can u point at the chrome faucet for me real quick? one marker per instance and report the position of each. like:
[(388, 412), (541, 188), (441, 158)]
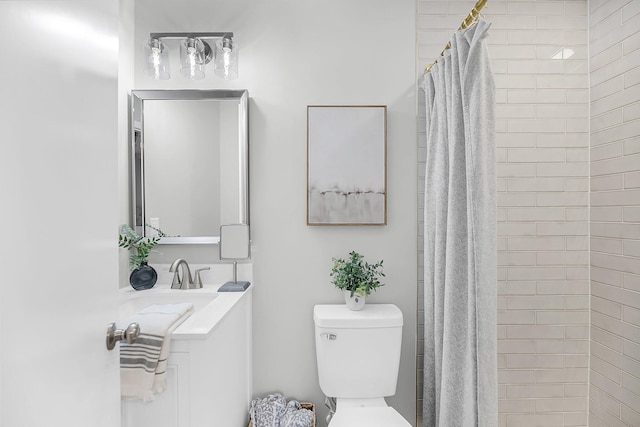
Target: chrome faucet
[(186, 280)]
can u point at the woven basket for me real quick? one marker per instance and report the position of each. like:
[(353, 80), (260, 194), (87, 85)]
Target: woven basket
[(309, 406)]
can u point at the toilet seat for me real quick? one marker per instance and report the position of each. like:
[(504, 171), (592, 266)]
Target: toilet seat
[(371, 416)]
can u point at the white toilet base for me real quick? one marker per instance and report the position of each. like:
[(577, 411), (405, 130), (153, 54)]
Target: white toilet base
[(366, 413), (381, 416)]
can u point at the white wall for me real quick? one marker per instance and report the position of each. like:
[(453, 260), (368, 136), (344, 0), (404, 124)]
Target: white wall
[(294, 54), (614, 44), (542, 163)]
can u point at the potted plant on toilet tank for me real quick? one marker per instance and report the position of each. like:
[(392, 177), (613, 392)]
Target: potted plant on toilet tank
[(356, 278)]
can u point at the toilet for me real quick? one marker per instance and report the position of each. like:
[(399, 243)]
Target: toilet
[(358, 356)]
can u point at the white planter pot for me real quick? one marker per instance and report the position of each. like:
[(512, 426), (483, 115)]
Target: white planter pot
[(355, 302)]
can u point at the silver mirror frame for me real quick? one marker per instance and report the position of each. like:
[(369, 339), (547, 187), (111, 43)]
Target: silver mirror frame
[(138, 97)]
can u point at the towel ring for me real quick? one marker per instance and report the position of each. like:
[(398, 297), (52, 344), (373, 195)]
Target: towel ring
[(114, 335)]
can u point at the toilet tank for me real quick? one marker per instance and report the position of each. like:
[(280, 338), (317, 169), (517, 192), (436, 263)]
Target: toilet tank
[(358, 352)]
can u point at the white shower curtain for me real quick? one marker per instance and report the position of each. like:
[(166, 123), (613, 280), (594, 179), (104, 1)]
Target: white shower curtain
[(460, 372)]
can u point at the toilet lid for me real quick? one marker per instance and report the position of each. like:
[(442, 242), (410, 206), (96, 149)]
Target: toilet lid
[(371, 416)]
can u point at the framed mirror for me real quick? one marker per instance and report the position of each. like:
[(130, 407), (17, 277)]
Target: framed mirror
[(189, 163)]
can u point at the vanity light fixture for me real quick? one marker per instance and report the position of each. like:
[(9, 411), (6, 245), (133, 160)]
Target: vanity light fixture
[(157, 56), (226, 62), (195, 53), (193, 58)]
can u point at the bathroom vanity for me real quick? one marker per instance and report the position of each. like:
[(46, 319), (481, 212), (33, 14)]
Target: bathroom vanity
[(209, 365)]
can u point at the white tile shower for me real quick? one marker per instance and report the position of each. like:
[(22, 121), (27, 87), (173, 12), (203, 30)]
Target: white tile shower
[(614, 42), (542, 142), (569, 204)]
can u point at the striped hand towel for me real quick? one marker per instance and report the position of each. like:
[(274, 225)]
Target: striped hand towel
[(143, 364)]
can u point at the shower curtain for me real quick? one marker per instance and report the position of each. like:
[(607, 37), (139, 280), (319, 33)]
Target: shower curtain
[(460, 372)]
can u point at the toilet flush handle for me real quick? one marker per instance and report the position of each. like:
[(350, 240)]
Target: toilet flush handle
[(328, 336)]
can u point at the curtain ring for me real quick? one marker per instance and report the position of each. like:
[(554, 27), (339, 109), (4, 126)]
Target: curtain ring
[(477, 13)]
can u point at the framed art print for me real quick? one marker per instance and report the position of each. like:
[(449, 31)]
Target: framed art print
[(346, 165)]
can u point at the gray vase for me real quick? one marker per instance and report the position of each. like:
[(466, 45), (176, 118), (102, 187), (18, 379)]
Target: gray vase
[(143, 277)]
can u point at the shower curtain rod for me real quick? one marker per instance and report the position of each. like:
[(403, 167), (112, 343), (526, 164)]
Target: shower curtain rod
[(471, 18)]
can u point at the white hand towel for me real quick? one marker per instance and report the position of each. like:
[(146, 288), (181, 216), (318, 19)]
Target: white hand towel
[(143, 364)]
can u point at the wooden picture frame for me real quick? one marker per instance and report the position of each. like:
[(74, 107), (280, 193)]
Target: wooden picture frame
[(346, 165)]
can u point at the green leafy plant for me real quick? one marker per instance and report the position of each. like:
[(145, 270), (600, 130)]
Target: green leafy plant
[(141, 246), (356, 275)]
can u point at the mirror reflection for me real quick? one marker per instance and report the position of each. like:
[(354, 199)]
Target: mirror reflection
[(190, 162)]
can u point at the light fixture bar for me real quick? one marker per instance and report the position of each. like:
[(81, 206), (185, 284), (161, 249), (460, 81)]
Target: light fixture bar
[(190, 35), (195, 53)]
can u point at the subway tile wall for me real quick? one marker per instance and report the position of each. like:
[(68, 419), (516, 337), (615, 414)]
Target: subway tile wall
[(614, 43), (542, 124)]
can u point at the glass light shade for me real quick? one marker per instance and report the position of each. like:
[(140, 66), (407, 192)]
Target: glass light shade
[(192, 58), (226, 62), (157, 59)]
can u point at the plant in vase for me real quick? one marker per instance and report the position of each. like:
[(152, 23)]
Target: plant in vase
[(356, 278), (142, 275)]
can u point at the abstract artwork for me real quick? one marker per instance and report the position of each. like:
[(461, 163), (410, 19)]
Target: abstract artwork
[(346, 165)]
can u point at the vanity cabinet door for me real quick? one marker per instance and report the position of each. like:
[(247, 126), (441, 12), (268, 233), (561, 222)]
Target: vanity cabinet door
[(169, 408)]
